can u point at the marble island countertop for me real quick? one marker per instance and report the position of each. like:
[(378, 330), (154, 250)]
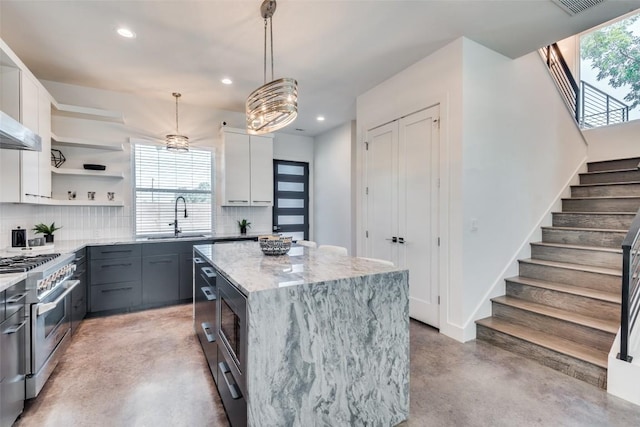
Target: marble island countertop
[(327, 336), (8, 280), (244, 264)]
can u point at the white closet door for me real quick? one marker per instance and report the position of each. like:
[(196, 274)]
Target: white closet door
[(382, 183), (418, 145)]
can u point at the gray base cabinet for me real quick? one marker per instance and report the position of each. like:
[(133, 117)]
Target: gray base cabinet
[(160, 275), (12, 354), (115, 277), (79, 301)]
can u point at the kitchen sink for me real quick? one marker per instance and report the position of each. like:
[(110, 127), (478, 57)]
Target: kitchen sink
[(197, 236)]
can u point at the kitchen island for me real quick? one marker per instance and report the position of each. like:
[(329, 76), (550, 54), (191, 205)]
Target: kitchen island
[(309, 338)]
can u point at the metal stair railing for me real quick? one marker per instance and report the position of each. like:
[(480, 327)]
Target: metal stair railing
[(598, 108), (561, 74), (630, 289)]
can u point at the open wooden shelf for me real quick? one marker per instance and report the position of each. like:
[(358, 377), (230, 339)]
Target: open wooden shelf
[(83, 143), (77, 202), (85, 172)]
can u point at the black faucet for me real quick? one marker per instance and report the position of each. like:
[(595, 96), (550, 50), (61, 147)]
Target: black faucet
[(176, 230)]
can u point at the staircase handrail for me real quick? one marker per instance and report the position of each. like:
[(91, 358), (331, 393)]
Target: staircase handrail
[(598, 108), (630, 287), (563, 77)]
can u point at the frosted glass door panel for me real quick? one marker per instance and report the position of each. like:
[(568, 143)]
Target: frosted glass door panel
[(290, 186), (291, 203)]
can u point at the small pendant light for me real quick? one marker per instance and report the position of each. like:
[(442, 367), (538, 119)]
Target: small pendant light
[(177, 142), (273, 105)]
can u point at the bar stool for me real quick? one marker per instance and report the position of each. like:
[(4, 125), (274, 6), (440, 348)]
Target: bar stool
[(338, 250), (381, 261), (307, 243)]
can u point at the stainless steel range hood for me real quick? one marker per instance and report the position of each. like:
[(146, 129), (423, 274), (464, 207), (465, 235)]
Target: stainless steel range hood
[(15, 136)]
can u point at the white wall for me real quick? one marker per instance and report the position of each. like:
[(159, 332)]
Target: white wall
[(437, 79), (614, 141), (333, 188), (521, 148), (509, 148)]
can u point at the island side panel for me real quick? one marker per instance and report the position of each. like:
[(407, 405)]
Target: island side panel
[(332, 353)]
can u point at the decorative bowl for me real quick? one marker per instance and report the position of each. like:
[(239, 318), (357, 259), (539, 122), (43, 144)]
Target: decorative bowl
[(274, 245)]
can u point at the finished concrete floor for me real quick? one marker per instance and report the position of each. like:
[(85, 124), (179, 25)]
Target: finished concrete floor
[(146, 369)]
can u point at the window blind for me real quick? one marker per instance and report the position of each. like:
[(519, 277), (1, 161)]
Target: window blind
[(160, 177)]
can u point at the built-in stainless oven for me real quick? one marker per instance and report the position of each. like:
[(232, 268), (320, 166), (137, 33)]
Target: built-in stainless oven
[(231, 330), (50, 322), (49, 289)]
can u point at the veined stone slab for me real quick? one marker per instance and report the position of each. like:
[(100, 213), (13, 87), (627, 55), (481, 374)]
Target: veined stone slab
[(328, 336)]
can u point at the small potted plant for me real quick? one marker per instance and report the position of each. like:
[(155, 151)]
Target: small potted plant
[(244, 224), (47, 230)]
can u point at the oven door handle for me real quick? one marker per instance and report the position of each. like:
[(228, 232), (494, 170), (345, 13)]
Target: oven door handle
[(44, 307)]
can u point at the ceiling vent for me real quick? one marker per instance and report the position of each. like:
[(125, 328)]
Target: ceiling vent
[(573, 7)]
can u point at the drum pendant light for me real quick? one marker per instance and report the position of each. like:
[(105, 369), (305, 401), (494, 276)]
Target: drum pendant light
[(275, 104), (177, 142)]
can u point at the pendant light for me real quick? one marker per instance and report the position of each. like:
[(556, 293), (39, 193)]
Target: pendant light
[(275, 104), (177, 142)]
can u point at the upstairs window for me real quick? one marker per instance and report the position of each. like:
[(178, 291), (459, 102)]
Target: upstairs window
[(160, 177)]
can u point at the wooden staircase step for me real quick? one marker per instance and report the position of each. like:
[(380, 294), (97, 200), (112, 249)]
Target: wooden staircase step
[(586, 330), (618, 204), (616, 175), (573, 359), (577, 299), (605, 165), (631, 188), (608, 326), (609, 220), (599, 278), (600, 237), (576, 254)]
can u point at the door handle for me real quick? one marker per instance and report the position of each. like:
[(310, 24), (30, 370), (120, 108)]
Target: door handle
[(48, 306), (208, 292), (233, 389), (15, 328), (206, 328)]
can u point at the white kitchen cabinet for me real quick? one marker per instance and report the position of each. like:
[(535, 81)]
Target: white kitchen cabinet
[(248, 169), (27, 172), (402, 204), (44, 156)]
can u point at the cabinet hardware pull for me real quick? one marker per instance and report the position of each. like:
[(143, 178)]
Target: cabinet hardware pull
[(262, 201), (116, 265), (209, 272), (394, 239), (206, 328), (166, 261), (401, 240), (15, 328), (116, 252), (233, 389), (238, 201), (104, 291), (208, 292), (16, 298)]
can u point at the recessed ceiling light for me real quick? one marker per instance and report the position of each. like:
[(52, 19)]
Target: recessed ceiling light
[(226, 81), (320, 118), (126, 33)]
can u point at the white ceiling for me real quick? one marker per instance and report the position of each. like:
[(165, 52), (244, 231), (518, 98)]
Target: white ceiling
[(335, 49)]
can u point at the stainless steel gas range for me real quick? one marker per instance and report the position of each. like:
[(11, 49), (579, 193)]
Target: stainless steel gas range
[(48, 308)]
